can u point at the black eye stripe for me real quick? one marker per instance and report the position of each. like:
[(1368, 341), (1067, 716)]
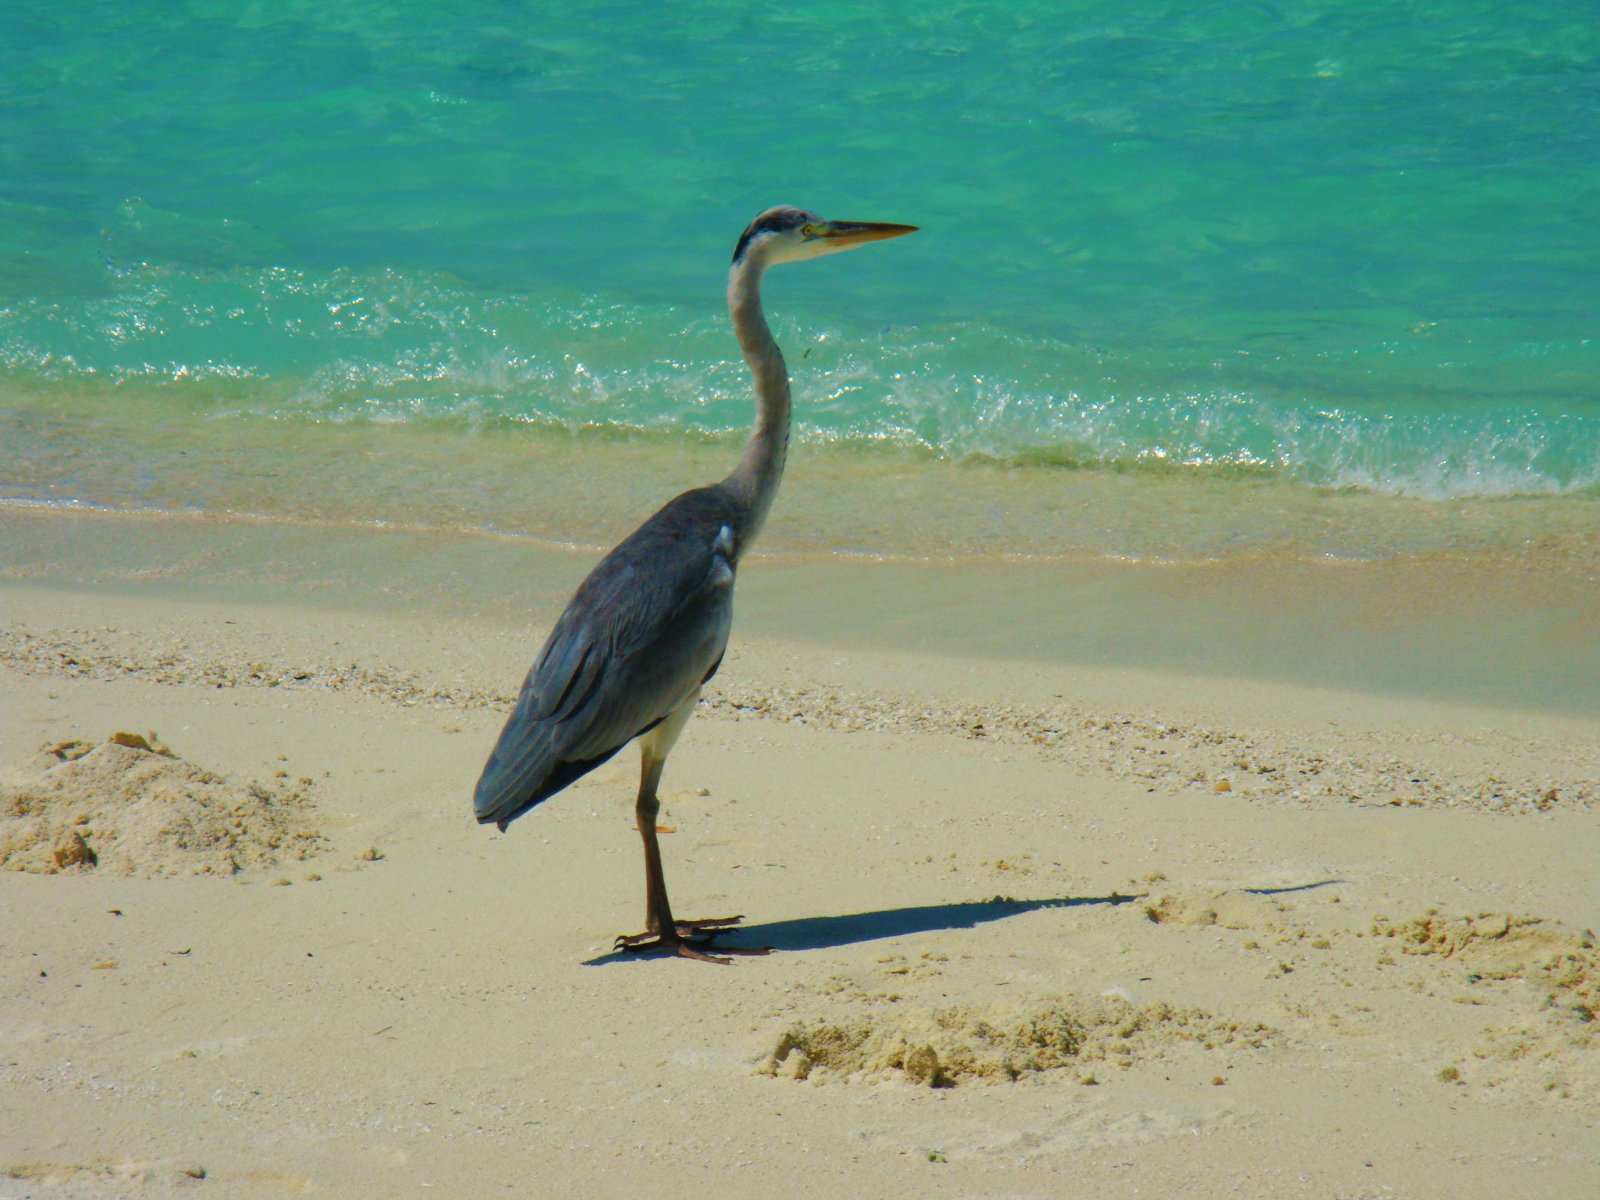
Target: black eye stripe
[(769, 222)]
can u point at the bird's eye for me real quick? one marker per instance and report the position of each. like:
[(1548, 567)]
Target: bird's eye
[(809, 231)]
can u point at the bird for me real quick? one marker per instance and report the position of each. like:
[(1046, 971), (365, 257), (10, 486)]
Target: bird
[(649, 625)]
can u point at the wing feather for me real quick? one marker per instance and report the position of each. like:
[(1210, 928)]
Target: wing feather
[(647, 626)]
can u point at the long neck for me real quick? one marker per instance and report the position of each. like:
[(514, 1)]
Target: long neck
[(755, 479)]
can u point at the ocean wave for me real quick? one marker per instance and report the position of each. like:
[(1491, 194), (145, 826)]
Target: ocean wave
[(406, 348)]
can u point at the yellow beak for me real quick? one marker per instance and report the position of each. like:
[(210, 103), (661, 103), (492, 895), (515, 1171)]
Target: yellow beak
[(857, 233)]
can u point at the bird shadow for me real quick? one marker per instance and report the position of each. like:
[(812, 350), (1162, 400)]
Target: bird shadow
[(1290, 889), (846, 929)]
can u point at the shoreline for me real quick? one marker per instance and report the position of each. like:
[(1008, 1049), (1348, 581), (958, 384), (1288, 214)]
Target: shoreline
[(587, 487), (1497, 631)]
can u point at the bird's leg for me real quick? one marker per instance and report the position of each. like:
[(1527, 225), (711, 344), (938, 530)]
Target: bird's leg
[(657, 908), (661, 930)]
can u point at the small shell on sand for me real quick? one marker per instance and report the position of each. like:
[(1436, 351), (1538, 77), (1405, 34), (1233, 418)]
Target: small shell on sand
[(141, 741)]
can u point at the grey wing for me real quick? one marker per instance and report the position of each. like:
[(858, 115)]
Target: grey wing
[(647, 627)]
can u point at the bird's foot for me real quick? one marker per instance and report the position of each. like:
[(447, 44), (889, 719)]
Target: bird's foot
[(687, 937)]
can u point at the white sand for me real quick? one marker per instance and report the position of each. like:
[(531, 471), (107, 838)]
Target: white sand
[(1155, 935)]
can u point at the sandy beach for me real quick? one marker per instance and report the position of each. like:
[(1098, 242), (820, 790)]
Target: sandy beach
[(1041, 927), (1158, 749)]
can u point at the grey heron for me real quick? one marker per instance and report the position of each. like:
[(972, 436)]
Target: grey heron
[(649, 626)]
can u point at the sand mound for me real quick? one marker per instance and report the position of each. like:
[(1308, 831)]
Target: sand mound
[(948, 1046), (130, 806), (1562, 963), (1496, 945), (1231, 909), (1554, 1049)]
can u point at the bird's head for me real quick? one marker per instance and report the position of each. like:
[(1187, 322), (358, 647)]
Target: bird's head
[(791, 234)]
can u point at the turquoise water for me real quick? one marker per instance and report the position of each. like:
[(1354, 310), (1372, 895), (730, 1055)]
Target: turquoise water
[(1343, 245)]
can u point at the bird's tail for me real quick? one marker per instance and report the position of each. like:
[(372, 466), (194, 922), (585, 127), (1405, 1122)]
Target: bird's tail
[(507, 788), (512, 782)]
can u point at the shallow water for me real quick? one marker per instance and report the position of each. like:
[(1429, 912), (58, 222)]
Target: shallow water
[(1308, 256), (590, 490)]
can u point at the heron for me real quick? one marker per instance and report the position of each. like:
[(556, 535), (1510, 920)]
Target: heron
[(649, 625)]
